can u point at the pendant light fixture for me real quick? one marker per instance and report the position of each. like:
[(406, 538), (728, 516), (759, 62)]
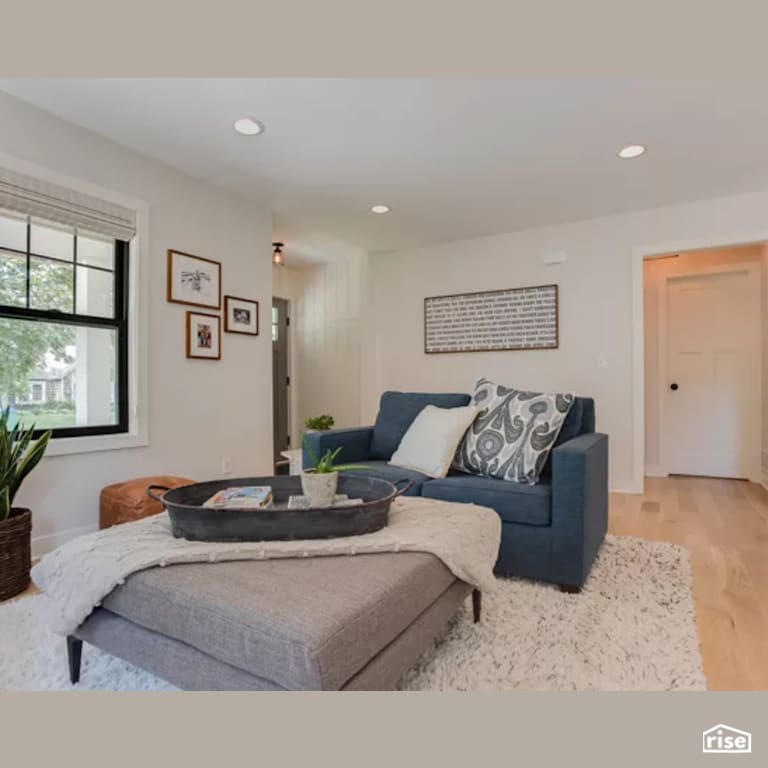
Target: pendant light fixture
[(277, 254)]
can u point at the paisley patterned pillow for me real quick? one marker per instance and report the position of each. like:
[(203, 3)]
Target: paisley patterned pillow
[(513, 433)]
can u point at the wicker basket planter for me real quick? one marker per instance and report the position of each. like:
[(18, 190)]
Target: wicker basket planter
[(15, 552)]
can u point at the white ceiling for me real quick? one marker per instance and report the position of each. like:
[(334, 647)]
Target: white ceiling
[(454, 158)]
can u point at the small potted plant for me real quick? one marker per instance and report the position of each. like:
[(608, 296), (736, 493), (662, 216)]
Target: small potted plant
[(319, 423), (319, 483), (18, 457)]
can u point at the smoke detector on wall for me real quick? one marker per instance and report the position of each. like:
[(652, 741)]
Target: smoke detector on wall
[(554, 257)]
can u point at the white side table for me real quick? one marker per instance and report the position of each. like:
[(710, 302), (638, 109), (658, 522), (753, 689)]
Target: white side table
[(294, 457)]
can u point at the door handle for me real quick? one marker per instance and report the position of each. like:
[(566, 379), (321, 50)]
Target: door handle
[(674, 386)]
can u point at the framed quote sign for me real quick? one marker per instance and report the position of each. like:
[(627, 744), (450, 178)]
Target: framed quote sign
[(489, 321)]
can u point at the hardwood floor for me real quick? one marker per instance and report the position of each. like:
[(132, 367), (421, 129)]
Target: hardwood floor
[(724, 526)]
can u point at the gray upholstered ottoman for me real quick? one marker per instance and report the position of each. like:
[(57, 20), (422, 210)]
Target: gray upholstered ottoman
[(324, 623)]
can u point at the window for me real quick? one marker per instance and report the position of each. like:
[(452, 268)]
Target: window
[(63, 326), (275, 324)]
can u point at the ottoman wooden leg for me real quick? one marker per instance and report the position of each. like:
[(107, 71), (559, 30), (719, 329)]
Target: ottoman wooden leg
[(74, 655), (477, 600)]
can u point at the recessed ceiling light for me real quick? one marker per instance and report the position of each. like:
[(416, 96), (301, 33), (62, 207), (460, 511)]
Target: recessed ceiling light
[(248, 126), (380, 209), (633, 150)]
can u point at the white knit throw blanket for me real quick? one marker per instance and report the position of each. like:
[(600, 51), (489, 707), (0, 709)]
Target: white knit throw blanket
[(80, 574)]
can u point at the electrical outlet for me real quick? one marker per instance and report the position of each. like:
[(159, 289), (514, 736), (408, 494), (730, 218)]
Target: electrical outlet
[(226, 465), (602, 361)]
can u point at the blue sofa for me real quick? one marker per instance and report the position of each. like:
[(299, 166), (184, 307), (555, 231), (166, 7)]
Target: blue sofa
[(550, 531)]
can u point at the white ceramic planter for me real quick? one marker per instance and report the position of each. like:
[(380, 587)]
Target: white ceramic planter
[(319, 488)]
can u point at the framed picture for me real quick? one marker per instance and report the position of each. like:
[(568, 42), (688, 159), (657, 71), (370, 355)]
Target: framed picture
[(194, 280), (492, 321), (241, 316), (203, 336)]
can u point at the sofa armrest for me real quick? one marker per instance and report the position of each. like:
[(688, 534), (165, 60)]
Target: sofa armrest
[(580, 482), (579, 505), (354, 444)]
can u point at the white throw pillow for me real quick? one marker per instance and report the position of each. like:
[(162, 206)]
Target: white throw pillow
[(431, 441)]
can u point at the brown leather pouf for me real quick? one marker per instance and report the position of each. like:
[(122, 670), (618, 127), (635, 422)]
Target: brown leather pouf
[(123, 502)]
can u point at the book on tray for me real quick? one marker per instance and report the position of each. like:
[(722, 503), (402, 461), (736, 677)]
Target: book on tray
[(243, 497)]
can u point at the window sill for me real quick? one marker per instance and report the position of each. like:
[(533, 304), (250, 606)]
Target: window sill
[(65, 446)]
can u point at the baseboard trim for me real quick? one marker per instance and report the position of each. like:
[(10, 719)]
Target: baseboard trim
[(654, 470), (42, 545), (764, 480), (626, 490)]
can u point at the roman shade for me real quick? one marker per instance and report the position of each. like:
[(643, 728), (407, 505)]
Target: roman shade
[(36, 197)]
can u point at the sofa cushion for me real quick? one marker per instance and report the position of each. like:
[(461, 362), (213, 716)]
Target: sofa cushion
[(385, 471), (304, 624), (397, 411), (513, 433), (513, 502), (572, 425), (587, 416), (430, 443)]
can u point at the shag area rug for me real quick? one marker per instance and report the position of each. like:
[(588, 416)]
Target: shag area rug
[(632, 628)]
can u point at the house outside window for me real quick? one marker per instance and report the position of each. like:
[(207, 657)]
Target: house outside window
[(63, 317)]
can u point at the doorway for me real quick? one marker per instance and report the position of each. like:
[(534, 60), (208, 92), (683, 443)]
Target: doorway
[(703, 315), (280, 376)]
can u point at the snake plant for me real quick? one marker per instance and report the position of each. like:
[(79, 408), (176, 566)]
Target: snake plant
[(18, 457)]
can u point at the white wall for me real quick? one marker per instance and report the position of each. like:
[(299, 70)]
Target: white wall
[(655, 272), (600, 283), (325, 338), (199, 411), (326, 334)]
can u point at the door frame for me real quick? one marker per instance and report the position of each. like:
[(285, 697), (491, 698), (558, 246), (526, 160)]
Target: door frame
[(755, 273), (638, 255), (290, 364)]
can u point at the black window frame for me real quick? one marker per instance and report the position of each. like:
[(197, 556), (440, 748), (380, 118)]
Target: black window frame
[(118, 322)]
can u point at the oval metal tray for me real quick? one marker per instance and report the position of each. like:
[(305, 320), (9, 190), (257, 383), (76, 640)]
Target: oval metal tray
[(191, 520)]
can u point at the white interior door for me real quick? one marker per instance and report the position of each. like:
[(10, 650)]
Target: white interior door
[(712, 408)]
